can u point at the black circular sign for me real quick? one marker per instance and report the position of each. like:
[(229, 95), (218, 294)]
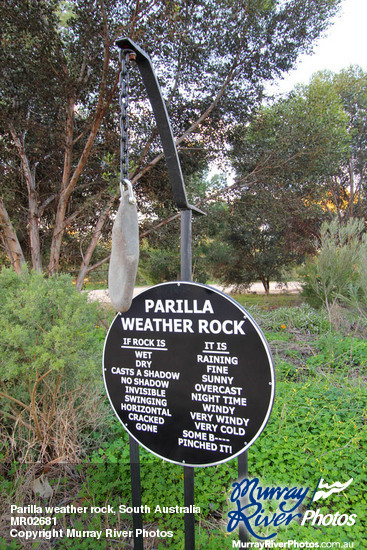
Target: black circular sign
[(189, 374)]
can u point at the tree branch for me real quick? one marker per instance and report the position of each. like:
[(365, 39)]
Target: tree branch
[(93, 243), (44, 205), (195, 124), (29, 176), (23, 405), (10, 240)]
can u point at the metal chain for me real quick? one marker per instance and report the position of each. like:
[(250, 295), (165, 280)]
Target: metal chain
[(124, 82), (124, 120)]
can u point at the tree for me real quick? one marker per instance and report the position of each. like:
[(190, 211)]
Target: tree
[(308, 152), (313, 142), (58, 110), (284, 159), (348, 186), (297, 143), (260, 237)]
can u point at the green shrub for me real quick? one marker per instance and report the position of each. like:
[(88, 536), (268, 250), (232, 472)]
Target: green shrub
[(356, 297), (339, 268), (157, 265), (303, 318), (317, 428), (50, 350), (340, 354)]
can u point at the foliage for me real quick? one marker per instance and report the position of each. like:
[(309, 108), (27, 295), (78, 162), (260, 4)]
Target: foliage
[(285, 160), (159, 265), (304, 319), (160, 247), (301, 157), (295, 142), (356, 298), (259, 238), (307, 150), (336, 275), (59, 112), (271, 301), (317, 428), (50, 347), (338, 353), (348, 186)]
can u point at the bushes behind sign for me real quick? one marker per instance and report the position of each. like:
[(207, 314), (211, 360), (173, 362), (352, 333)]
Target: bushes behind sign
[(50, 348)]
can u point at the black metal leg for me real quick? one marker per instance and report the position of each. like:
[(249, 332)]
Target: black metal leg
[(186, 239), (136, 494), (189, 500), (242, 472)]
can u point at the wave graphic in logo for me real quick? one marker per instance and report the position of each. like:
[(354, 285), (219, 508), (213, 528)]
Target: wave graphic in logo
[(324, 490)]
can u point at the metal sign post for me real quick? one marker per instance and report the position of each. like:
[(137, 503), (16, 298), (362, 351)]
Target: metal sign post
[(164, 128), (136, 494), (186, 247), (242, 469), (190, 376), (189, 472), (179, 192), (187, 370)]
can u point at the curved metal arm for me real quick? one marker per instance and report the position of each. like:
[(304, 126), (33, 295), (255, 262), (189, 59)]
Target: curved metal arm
[(163, 123)]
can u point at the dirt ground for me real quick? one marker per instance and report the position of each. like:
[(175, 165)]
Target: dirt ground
[(256, 288)]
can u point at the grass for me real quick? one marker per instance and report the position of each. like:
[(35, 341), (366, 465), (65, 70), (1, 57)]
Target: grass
[(317, 428), (269, 302)]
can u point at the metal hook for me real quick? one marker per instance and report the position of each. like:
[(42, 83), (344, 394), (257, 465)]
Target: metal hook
[(132, 199)]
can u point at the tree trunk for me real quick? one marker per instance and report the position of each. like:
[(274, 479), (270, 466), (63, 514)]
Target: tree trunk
[(70, 180), (58, 232), (65, 196), (59, 227), (30, 178), (351, 189), (34, 232), (10, 240), (92, 245), (266, 284)]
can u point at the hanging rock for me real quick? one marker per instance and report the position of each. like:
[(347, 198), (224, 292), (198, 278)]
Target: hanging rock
[(124, 254)]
